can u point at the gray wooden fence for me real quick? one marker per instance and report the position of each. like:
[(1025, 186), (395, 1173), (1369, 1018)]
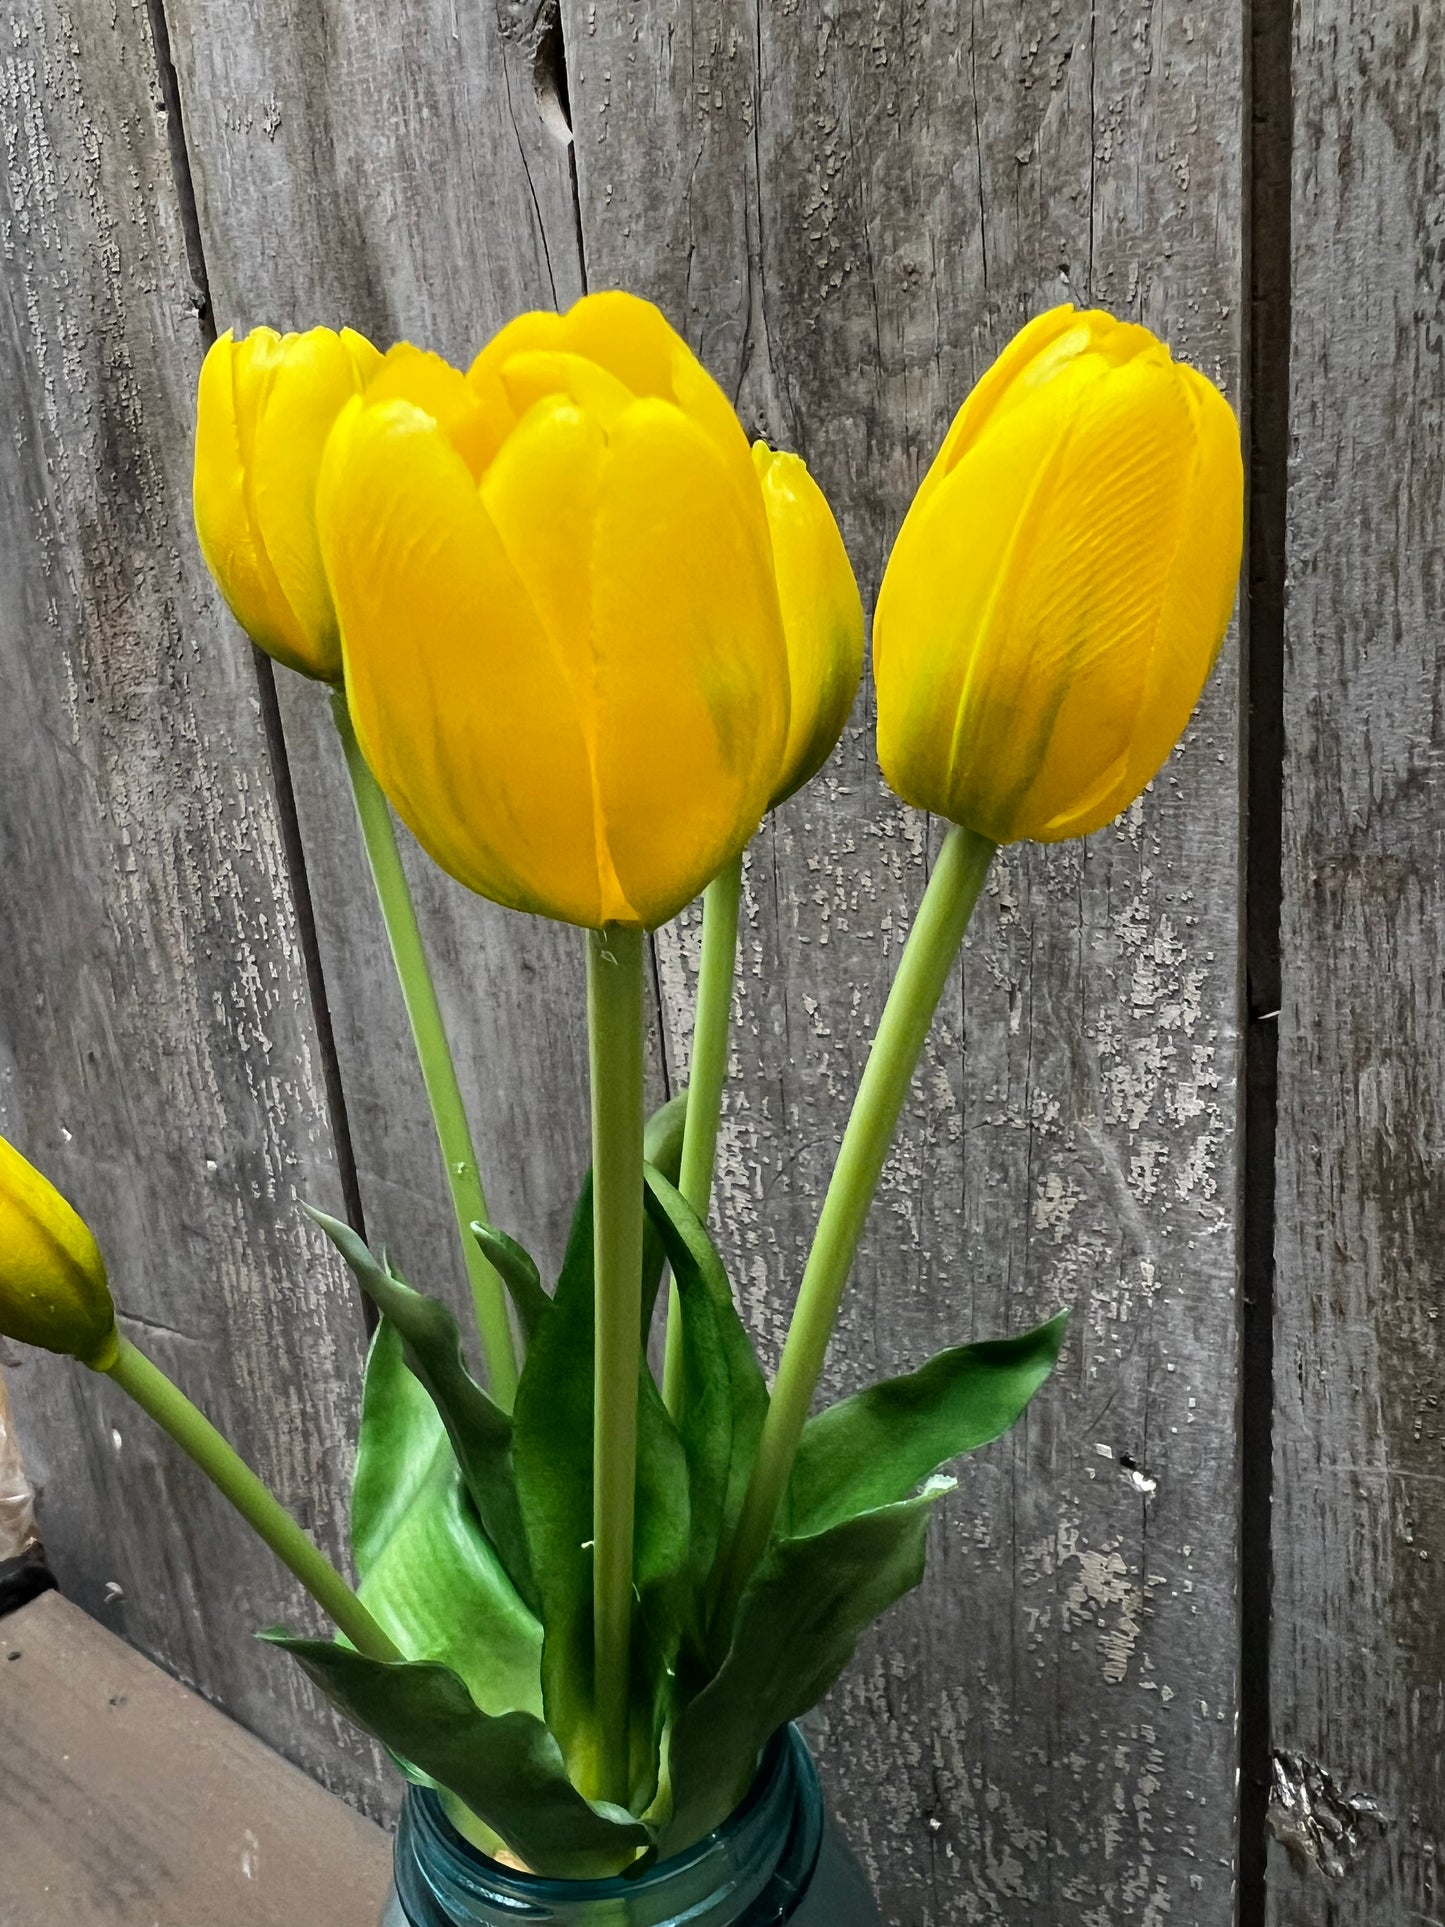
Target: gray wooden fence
[(1181, 1653)]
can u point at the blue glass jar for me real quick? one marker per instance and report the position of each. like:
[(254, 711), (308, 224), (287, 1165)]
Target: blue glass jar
[(778, 1858)]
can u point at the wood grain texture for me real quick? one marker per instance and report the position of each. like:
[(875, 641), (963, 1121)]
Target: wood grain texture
[(157, 1052), (1359, 1507), (126, 1801), (861, 210)]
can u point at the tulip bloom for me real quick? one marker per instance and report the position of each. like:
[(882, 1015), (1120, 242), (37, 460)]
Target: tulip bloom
[(53, 1290), (564, 654), (265, 408), (1060, 587), (822, 615)]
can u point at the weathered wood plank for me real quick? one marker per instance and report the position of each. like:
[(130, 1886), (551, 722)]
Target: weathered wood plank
[(1358, 1650), (157, 1051), (126, 1801), (863, 208)]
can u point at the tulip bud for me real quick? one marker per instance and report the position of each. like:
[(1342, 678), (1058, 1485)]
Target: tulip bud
[(564, 655), (1060, 587), (822, 615), (265, 408), (53, 1291)]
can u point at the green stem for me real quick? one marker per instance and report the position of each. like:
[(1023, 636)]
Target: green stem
[(434, 1055), (707, 1073), (614, 1021), (234, 1479), (923, 969)]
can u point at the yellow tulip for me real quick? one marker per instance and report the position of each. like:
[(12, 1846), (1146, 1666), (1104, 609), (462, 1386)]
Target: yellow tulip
[(53, 1291), (564, 654), (265, 408), (1060, 587), (822, 615)]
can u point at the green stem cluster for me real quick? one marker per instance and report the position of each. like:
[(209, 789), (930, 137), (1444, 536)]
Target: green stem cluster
[(222, 1464), (614, 1018), (438, 1070)]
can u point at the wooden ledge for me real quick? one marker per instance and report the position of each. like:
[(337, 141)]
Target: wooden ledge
[(127, 1801)]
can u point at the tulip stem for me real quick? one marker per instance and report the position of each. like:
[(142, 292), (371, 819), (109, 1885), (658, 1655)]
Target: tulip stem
[(614, 1022), (928, 956), (148, 1385), (706, 1075), (438, 1068)]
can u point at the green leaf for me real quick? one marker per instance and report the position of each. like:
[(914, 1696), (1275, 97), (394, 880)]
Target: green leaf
[(552, 1450), (724, 1396), (507, 1768), (797, 1625), (880, 1445), (518, 1271), (400, 1432), (437, 1587), (479, 1430), (662, 1148)]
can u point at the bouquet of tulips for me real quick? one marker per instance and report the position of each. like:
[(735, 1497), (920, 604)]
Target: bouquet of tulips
[(581, 637)]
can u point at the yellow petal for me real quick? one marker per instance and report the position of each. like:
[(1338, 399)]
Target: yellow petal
[(552, 374), (1195, 607), (634, 343), (1078, 612), (691, 668), (1038, 353), (462, 710), (932, 623), (265, 408), (822, 615), (541, 494), (308, 387), (53, 1290), (1054, 603), (426, 381), (225, 524)]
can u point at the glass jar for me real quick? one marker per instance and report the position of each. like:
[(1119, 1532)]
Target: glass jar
[(778, 1858)]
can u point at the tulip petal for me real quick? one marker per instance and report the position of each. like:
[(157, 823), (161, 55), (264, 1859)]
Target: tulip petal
[(1075, 501), (542, 496), (992, 387), (1196, 601), (931, 642), (307, 390), (426, 381), (821, 611), (1080, 607), (232, 376), (53, 1289), (637, 343), (544, 375), (691, 667), (460, 704)]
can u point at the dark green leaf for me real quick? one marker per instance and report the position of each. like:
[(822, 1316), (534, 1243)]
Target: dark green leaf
[(724, 1396), (507, 1768), (518, 1271), (400, 1432), (479, 1430), (552, 1449), (796, 1627), (880, 1445)]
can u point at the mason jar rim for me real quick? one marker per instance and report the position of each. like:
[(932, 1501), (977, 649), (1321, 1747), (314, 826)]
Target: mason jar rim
[(785, 1776)]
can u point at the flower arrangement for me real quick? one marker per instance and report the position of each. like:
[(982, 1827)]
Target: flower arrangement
[(581, 638)]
